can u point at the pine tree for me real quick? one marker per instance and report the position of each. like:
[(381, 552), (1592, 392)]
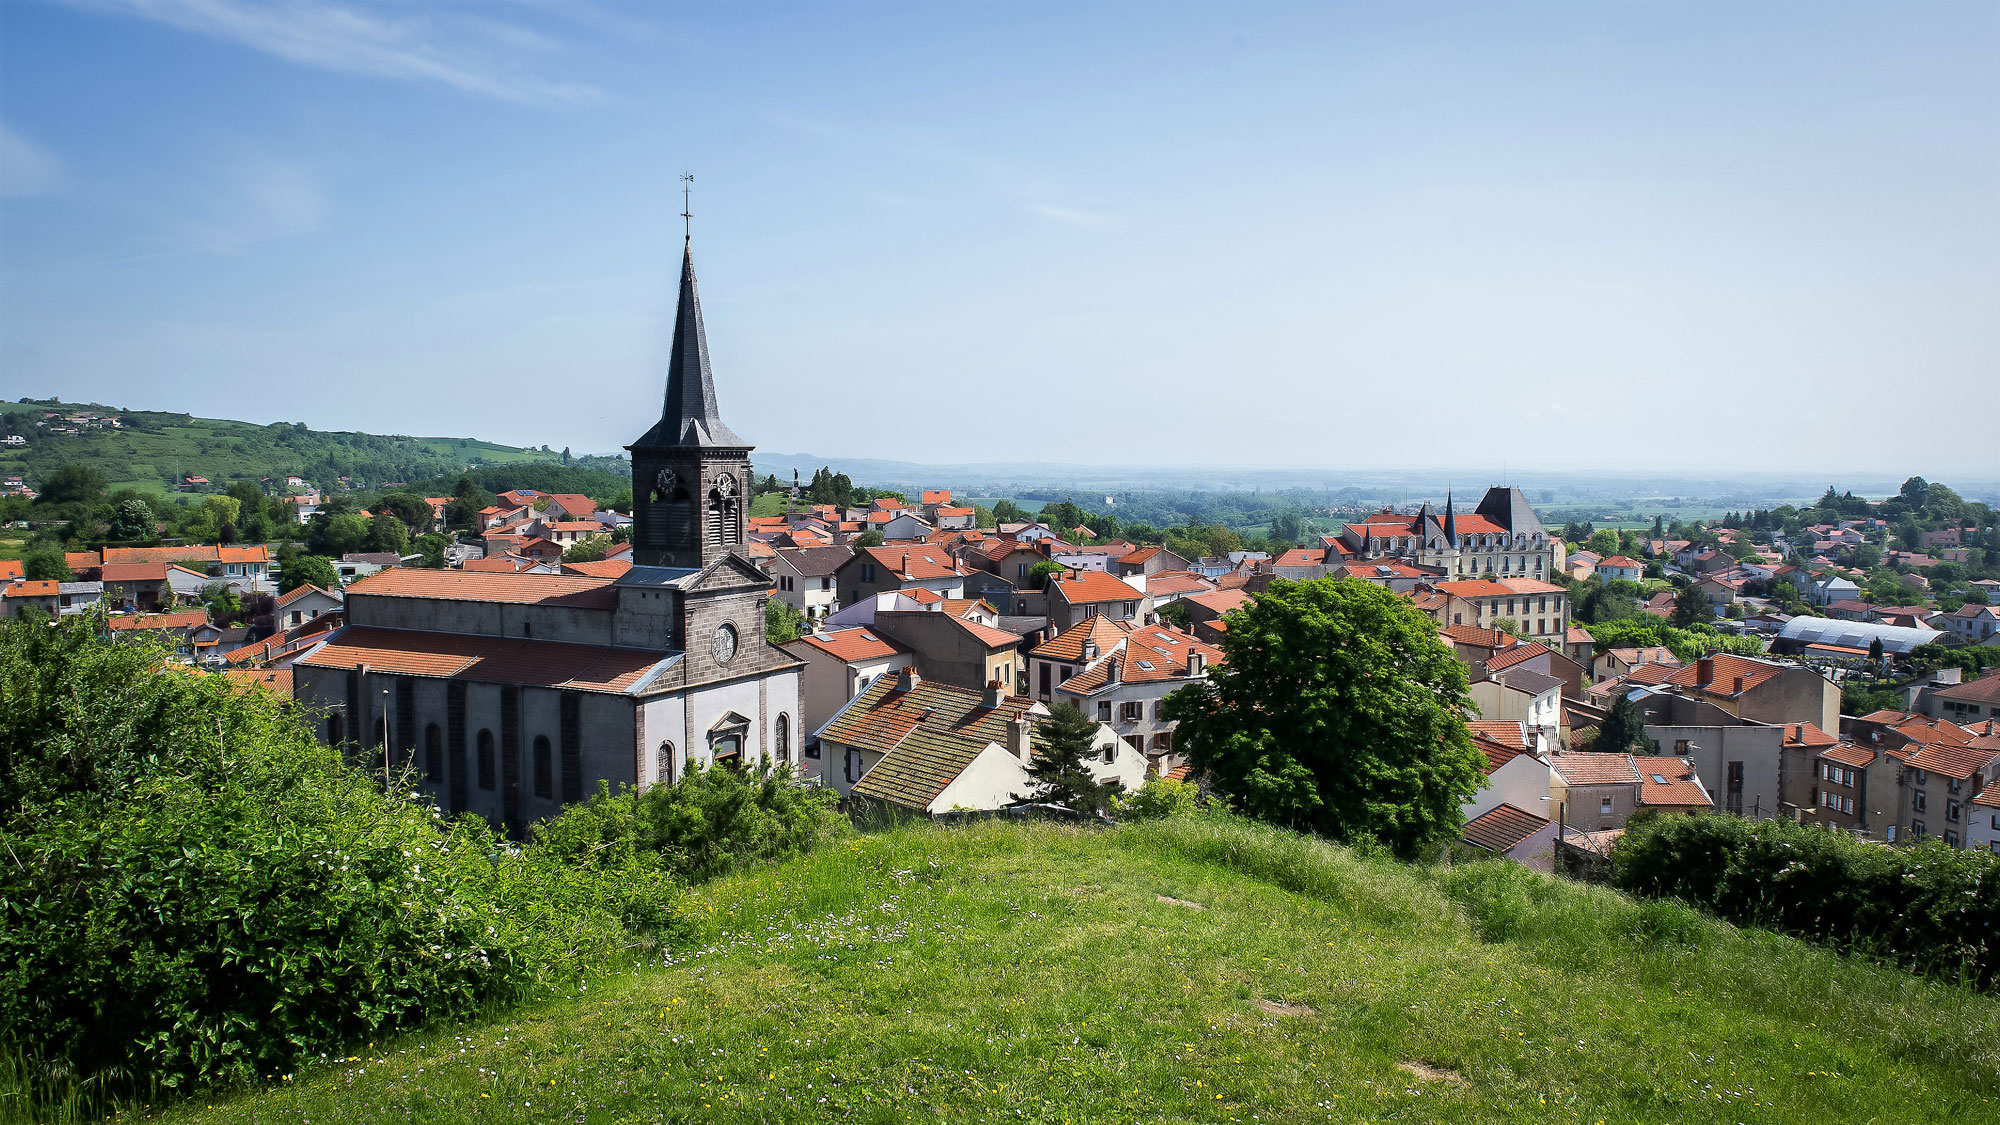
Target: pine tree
[(1623, 730), (1060, 768)]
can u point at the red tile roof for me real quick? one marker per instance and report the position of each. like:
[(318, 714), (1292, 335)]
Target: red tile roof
[(1177, 582), (1808, 736), (1670, 783), (1580, 768), (298, 592), (1475, 588), (500, 660), (852, 644), (916, 563), (40, 588), (602, 568), (196, 552), (1476, 636), (1725, 672), (1621, 560), (1955, 761), (1090, 587), (1519, 654), (1068, 645), (1848, 754), (1506, 732), (133, 572), (1503, 828), (1219, 601), (472, 586), (11, 568), (1154, 654)]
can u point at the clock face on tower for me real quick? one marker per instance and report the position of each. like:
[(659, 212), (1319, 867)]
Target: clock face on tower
[(667, 481), (724, 646)]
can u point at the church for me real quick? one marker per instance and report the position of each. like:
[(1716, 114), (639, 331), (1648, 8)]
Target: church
[(513, 694)]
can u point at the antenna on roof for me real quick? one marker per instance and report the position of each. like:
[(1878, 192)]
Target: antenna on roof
[(687, 216)]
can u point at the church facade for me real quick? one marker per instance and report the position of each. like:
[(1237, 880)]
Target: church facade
[(513, 694)]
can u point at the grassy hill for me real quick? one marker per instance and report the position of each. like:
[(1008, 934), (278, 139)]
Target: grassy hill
[(1198, 969), (151, 448)]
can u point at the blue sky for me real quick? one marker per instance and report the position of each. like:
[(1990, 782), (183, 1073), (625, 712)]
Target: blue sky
[(1632, 236)]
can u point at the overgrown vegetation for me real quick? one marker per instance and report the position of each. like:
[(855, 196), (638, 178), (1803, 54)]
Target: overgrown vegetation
[(1930, 908), (197, 893)]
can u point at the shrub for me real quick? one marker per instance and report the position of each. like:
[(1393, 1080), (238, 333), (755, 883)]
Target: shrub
[(1158, 797), (714, 821), (1931, 908), (196, 892)]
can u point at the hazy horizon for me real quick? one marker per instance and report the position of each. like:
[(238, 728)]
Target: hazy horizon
[(1490, 238)]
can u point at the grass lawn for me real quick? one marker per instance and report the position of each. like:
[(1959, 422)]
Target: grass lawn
[(1191, 970)]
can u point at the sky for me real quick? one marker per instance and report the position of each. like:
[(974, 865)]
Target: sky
[(1632, 236)]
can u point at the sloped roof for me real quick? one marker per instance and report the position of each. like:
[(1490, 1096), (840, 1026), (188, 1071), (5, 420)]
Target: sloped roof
[(1503, 828), (1474, 635), (1219, 601), (1724, 669), (815, 562), (1090, 587), (1506, 732), (602, 568), (474, 586), (189, 619), (1068, 644), (500, 660), (1517, 654), (1952, 760), (196, 552), (852, 644), (1808, 736), (39, 588), (1153, 654), (927, 735), (916, 563), (1985, 689), (1848, 754), (1670, 783), (1584, 768)]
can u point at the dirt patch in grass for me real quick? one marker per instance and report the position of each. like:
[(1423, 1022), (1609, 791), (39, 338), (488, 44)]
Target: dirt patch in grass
[(1430, 1073), (1287, 1008), (1172, 901)]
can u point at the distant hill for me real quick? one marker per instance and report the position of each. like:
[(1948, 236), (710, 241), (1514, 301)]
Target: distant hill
[(152, 450)]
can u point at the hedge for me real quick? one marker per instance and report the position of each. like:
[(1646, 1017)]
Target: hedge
[(1930, 908)]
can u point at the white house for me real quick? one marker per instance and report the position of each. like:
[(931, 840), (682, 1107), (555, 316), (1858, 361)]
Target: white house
[(1526, 696), (839, 666), (805, 578)]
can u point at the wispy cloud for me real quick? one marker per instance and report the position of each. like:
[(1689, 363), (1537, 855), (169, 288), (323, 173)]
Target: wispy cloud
[(25, 167), (1069, 215), (251, 202), (473, 55)]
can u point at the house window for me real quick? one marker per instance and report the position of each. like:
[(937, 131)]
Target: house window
[(433, 753), (1159, 710), (1604, 806), (826, 583), (1104, 710), (1919, 800), (1951, 786), (1917, 829), (1132, 712), (1127, 609), (868, 572), (1951, 811), (852, 766)]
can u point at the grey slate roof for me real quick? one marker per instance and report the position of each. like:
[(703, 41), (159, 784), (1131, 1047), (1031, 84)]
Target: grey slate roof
[(691, 417), (1896, 639), (1528, 680)]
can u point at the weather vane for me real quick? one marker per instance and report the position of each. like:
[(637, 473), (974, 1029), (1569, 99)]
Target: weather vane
[(687, 217)]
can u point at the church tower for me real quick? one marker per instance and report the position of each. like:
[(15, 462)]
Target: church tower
[(690, 472)]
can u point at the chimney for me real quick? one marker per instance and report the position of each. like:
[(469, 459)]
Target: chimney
[(1197, 663), (907, 680), (1017, 739), (1739, 686), (1111, 670), (996, 694), (1089, 650), (1704, 672)]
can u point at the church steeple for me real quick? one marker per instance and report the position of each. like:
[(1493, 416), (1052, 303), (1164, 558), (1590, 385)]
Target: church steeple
[(690, 472), (690, 417)]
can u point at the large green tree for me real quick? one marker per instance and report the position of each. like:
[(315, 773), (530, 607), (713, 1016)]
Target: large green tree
[(1691, 606), (1339, 711), (305, 570), (1061, 767), (73, 484)]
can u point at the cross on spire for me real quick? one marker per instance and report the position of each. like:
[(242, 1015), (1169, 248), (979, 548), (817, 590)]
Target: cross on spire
[(687, 216)]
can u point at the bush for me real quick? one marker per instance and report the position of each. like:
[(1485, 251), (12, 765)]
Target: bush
[(198, 893), (712, 822), (1931, 908), (1158, 797)]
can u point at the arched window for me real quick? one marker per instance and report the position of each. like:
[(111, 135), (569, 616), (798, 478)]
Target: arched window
[(486, 780), (433, 753), (666, 767), (544, 768), (781, 737)]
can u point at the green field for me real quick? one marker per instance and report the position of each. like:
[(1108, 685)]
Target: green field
[(156, 449), (1198, 969)]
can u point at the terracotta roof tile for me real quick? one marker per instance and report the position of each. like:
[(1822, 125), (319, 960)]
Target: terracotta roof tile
[(1954, 761), (1503, 828), (40, 588), (1506, 732), (190, 619), (1517, 654), (473, 586), (602, 568), (916, 563), (1068, 644), (502, 660), (1808, 736), (1579, 768), (1725, 669), (1670, 783), (1219, 601), (1848, 754), (1090, 587), (852, 644), (197, 553)]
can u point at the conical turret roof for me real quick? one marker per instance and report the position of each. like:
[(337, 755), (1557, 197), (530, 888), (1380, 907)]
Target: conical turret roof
[(690, 417)]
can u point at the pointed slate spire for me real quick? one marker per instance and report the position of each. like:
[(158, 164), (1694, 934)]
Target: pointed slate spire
[(1450, 520), (690, 417)]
